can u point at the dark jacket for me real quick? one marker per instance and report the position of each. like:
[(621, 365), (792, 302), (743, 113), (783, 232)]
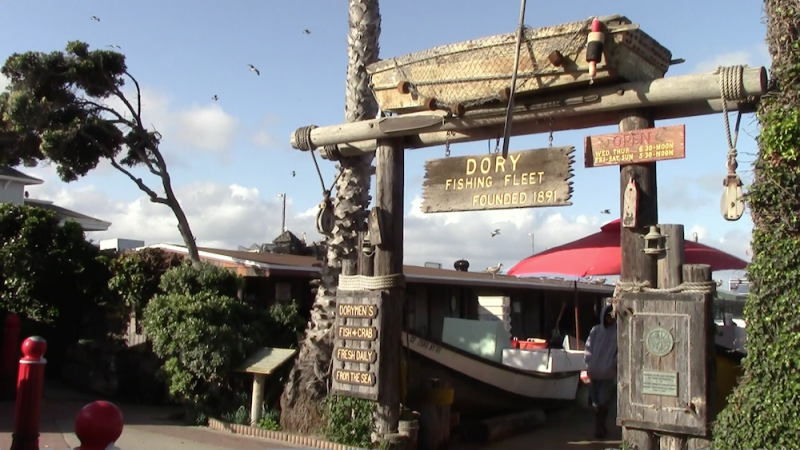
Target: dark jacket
[(600, 353)]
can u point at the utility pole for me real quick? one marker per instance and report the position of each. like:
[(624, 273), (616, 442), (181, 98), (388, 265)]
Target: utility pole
[(283, 212), (533, 251)]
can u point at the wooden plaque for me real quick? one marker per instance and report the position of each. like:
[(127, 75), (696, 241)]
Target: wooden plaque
[(526, 179), (636, 146), (356, 354), (663, 374)]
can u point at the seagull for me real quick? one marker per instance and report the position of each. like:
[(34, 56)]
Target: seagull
[(293, 173), (215, 98), (495, 232), (605, 211), (115, 46), (253, 69), (96, 19), (307, 31), (494, 270), (600, 280)]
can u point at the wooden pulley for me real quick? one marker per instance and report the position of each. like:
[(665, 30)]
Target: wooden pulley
[(731, 204), (325, 217)]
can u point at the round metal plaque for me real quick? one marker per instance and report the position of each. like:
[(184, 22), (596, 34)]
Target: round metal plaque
[(659, 342)]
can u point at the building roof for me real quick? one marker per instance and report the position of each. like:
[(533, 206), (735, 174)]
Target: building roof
[(11, 174), (88, 223), (311, 266)]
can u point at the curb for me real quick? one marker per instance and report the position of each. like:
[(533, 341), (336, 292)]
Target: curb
[(305, 441)]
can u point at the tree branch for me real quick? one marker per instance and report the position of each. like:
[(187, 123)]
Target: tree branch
[(112, 111), (143, 187), (138, 93)]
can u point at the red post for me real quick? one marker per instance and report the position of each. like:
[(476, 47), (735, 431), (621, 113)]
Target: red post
[(9, 355), (98, 425), (30, 383)]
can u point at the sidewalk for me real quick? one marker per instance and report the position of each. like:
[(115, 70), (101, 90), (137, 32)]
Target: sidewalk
[(146, 427)]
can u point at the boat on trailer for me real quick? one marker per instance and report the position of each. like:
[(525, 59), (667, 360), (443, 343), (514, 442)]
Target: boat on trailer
[(485, 387), (477, 74)]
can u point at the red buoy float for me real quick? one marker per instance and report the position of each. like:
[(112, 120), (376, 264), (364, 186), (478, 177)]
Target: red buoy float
[(594, 47)]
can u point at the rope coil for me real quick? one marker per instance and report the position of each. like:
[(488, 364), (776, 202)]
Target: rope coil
[(302, 138), (375, 283)]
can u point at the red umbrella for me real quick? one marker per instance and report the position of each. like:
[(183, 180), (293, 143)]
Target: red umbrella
[(600, 254)]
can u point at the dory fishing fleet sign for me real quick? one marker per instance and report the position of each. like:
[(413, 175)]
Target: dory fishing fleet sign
[(526, 179)]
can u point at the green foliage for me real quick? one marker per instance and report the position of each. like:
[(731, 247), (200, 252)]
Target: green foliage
[(240, 417), (762, 412), (202, 332), (350, 421), (137, 276), (55, 109), (47, 269), (270, 419)]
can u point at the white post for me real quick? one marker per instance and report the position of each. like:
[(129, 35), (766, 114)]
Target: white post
[(258, 398)]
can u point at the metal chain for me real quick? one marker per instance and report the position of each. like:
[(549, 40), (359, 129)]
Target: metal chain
[(447, 143), (551, 133), (497, 145)]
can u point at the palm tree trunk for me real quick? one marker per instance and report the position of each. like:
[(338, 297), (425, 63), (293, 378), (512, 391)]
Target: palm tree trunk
[(308, 380)]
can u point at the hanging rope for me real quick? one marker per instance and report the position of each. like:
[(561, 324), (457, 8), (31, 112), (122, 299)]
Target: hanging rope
[(731, 88)]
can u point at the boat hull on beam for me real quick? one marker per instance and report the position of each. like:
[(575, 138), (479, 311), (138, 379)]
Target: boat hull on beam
[(484, 387)]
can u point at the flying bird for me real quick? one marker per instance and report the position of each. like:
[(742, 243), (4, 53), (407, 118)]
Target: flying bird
[(96, 19), (253, 69), (495, 232), (307, 31), (293, 173), (215, 98), (605, 211), (115, 46)]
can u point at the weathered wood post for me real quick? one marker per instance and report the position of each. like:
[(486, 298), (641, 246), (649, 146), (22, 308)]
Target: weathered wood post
[(670, 275), (638, 267), (699, 273), (389, 201)]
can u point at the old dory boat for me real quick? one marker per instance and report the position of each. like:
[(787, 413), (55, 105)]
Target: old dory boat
[(484, 386), (476, 73)]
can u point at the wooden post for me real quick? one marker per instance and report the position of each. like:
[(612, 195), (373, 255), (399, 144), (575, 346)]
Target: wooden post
[(670, 275), (389, 198), (258, 398), (434, 427), (700, 273), (636, 265)]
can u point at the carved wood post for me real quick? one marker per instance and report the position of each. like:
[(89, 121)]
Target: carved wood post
[(636, 265), (389, 193)]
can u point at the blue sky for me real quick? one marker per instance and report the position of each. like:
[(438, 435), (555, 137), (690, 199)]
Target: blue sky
[(230, 158)]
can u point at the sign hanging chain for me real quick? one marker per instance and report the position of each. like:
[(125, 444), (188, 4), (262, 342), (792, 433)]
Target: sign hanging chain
[(551, 133), (497, 145), (447, 143)]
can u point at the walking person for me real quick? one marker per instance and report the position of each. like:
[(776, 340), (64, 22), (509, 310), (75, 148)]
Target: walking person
[(600, 356)]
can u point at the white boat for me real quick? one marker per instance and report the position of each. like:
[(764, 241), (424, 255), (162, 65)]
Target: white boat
[(485, 386)]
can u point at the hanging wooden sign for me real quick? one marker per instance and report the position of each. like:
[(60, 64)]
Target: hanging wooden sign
[(357, 354), (630, 205), (635, 146), (526, 179)]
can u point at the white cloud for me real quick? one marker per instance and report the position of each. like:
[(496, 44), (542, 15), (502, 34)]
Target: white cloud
[(205, 128), (756, 56), (265, 140), (227, 216), (700, 231)]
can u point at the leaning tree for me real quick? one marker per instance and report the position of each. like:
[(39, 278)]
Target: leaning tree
[(308, 380), (762, 412), (58, 107)]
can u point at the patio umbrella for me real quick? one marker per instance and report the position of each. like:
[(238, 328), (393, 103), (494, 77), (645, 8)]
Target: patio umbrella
[(600, 254)]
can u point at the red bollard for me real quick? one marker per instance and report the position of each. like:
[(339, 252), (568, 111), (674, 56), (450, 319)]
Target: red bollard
[(9, 355), (30, 383), (98, 425)]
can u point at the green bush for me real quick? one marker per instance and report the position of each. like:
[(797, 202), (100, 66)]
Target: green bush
[(137, 276), (270, 419), (762, 412), (203, 332), (350, 421), (48, 271)]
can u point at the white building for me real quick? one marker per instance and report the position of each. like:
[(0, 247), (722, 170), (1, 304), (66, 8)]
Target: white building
[(12, 190)]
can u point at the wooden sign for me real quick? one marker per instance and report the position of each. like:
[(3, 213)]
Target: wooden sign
[(526, 179), (663, 376), (636, 146), (356, 354)]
